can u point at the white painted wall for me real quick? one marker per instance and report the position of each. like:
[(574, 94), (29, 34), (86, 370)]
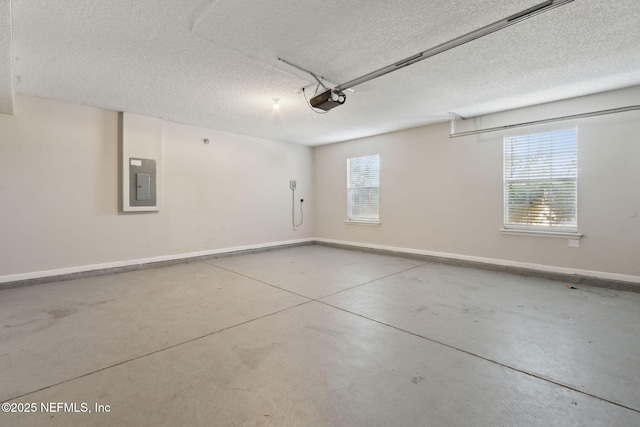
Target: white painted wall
[(59, 192), (6, 59), (140, 137), (444, 196)]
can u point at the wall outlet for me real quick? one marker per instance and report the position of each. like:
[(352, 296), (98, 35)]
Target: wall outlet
[(292, 184)]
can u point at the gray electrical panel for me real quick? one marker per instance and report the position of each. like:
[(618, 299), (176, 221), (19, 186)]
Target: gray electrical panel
[(142, 182)]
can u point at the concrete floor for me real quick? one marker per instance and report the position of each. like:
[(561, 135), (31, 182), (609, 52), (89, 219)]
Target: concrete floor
[(314, 335)]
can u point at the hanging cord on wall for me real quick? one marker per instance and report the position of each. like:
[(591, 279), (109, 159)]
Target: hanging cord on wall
[(293, 210)]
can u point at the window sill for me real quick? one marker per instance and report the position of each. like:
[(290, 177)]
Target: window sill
[(556, 234), (362, 222)]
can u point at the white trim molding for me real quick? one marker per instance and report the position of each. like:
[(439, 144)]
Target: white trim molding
[(142, 261), (62, 272), (493, 261), (539, 233), (361, 222)]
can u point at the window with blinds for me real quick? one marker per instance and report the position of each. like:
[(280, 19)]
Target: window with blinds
[(541, 181), (363, 182)]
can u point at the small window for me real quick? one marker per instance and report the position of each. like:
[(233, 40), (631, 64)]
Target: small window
[(363, 182), (541, 181)]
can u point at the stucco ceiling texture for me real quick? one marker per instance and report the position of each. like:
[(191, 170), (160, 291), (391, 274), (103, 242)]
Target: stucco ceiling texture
[(215, 64)]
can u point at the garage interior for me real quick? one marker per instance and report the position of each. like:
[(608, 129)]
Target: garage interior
[(184, 241)]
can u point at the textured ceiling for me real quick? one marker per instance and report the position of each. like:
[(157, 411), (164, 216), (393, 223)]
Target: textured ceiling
[(214, 63)]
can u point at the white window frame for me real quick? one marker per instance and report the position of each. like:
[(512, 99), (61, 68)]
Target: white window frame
[(353, 218), (551, 166)]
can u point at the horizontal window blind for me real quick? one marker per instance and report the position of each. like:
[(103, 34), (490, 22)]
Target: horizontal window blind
[(541, 181), (363, 182)]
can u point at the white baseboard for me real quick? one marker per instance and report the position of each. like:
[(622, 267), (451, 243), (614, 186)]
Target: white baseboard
[(493, 261), (501, 262), (140, 261)]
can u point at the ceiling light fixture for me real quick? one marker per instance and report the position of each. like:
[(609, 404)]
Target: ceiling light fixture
[(276, 104)]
